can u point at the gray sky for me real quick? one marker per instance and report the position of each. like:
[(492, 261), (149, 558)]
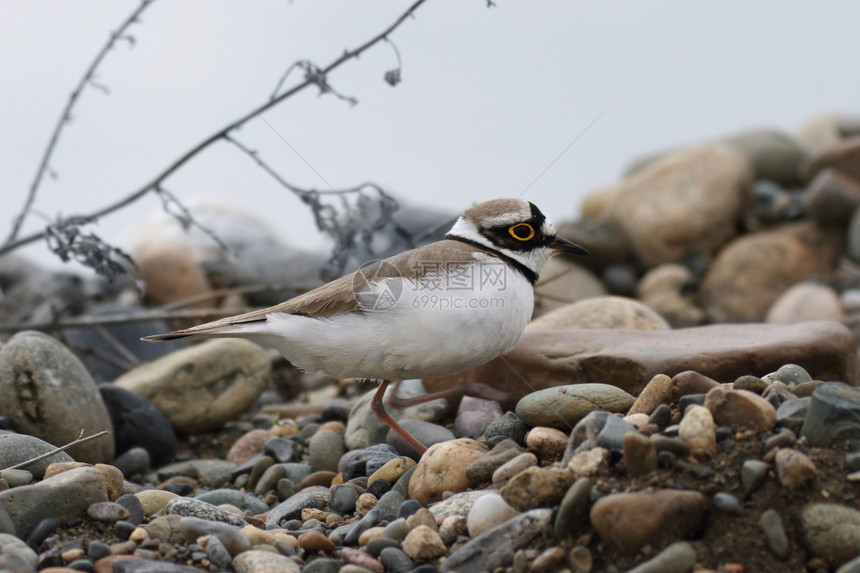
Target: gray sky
[(489, 97)]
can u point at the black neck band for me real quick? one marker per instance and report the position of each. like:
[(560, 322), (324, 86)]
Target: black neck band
[(530, 275)]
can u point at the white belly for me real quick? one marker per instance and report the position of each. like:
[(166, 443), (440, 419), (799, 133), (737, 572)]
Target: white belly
[(418, 332)]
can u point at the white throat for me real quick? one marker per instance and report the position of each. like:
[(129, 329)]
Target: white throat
[(534, 260)]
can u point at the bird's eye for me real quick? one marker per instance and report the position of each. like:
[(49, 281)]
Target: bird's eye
[(522, 231)]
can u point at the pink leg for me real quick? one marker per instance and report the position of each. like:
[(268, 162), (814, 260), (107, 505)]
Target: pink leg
[(379, 409), (469, 388)]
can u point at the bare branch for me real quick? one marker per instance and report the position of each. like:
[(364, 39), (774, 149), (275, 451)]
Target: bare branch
[(66, 116), (223, 132), (80, 440)]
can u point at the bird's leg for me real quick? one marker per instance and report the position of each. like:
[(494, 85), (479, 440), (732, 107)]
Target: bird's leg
[(475, 389), (379, 409)]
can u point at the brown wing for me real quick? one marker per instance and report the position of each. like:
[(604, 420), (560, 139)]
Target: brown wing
[(340, 295)]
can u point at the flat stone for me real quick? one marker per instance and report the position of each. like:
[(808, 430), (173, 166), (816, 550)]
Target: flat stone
[(231, 536), (191, 507), (203, 386), (630, 358), (315, 496), (563, 406), (481, 470), (640, 456), (628, 521)]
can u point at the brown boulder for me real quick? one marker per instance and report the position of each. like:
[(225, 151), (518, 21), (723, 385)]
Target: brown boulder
[(629, 359), (752, 271)]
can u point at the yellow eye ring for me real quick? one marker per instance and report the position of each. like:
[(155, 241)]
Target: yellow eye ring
[(517, 231)]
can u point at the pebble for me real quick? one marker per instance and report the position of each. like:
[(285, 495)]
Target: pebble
[(657, 392), (640, 455), (537, 487), (248, 445), (480, 471), (435, 475), (512, 467), (547, 443), (612, 433), (573, 511), (138, 423), (509, 426), (585, 432), (392, 470), (395, 560), (314, 541), (352, 556), (325, 450), (257, 561), (15, 555), (727, 502), (424, 543), (698, 431), (794, 468), (588, 463), (753, 475), (134, 462), (792, 413), (774, 533), (203, 386), (192, 507), (426, 433), (680, 557), (488, 511), (474, 415), (315, 496), (563, 406), (107, 512), (740, 409), (231, 537), (628, 521), (19, 448), (497, 546), (365, 461)]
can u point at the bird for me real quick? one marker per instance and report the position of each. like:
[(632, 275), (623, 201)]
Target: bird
[(427, 312)]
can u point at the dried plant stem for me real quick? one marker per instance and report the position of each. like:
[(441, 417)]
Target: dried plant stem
[(80, 440)]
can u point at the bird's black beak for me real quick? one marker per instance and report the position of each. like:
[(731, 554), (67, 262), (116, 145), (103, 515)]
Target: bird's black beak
[(568, 247)]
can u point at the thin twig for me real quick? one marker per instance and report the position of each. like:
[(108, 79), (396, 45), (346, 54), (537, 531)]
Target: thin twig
[(80, 440), (66, 115), (125, 318), (220, 134)]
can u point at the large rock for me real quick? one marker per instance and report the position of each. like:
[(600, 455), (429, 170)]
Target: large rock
[(202, 387), (64, 496), (19, 448), (687, 202), (49, 394), (752, 271), (629, 359), (844, 157)]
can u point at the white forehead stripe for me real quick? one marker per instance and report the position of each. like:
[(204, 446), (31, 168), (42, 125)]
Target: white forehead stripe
[(547, 230)]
